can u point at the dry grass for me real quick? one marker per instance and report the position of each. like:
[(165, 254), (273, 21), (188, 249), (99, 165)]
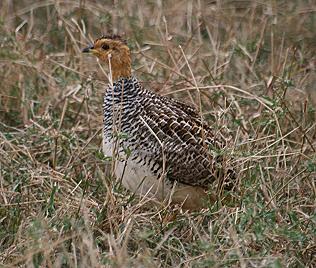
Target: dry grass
[(254, 64)]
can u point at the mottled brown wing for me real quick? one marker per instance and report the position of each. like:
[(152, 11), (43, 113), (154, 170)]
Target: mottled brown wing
[(189, 146)]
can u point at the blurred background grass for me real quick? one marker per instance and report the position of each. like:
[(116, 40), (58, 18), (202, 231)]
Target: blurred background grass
[(254, 62)]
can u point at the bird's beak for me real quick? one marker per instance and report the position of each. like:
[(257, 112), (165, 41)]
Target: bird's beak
[(88, 49)]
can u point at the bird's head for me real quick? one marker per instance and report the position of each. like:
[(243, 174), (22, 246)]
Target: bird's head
[(113, 50)]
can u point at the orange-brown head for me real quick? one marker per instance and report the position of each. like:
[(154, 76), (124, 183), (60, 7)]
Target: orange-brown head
[(114, 50)]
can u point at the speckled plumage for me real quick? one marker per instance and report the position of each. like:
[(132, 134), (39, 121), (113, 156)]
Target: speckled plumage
[(160, 146), (187, 142)]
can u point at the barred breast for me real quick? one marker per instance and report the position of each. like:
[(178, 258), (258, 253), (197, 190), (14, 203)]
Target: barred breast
[(157, 142)]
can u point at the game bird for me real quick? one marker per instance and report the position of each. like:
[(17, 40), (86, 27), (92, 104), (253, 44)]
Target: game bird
[(161, 147)]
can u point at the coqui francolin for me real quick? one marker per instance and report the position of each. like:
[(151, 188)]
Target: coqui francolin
[(163, 148)]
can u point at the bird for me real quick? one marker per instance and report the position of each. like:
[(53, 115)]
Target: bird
[(163, 149)]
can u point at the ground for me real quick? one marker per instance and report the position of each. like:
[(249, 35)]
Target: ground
[(248, 66)]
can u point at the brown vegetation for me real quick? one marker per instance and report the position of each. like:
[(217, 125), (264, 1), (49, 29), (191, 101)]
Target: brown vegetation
[(254, 65)]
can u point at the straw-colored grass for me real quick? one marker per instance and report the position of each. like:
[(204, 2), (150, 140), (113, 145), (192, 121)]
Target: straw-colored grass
[(252, 66)]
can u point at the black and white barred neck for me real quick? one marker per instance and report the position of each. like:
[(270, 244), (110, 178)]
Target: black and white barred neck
[(152, 128)]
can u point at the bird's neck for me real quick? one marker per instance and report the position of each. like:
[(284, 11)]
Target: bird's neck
[(121, 68), (118, 73)]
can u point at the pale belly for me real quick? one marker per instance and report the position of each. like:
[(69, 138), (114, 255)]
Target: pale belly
[(139, 180)]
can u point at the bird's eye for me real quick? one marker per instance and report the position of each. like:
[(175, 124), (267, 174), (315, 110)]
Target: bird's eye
[(105, 46)]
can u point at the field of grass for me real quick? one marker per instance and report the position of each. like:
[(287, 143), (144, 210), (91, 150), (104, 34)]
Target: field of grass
[(253, 64)]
